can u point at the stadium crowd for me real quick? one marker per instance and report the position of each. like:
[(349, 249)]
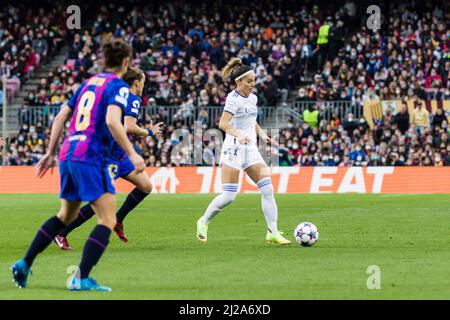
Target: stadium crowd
[(420, 139), (181, 49), (28, 38), (409, 56)]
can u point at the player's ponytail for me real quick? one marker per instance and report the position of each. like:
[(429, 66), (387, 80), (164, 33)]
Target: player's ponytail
[(235, 69), (231, 66)]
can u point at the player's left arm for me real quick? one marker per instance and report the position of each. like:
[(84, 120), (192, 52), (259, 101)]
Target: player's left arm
[(132, 127)]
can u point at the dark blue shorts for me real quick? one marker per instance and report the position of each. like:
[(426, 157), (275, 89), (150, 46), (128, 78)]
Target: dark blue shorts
[(84, 181), (120, 168)]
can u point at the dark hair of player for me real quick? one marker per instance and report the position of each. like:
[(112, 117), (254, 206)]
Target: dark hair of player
[(115, 50)]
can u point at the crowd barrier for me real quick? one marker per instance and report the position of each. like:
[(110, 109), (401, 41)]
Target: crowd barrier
[(285, 180), (209, 115), (330, 109)]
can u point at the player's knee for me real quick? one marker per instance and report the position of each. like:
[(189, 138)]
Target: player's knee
[(146, 187), (65, 218), (109, 222)]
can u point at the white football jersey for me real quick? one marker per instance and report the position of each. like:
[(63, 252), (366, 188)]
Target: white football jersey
[(245, 113)]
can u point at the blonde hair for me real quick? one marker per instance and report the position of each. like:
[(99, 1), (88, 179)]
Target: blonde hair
[(231, 67)]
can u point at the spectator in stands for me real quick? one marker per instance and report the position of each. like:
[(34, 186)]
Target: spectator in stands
[(5, 69), (271, 91), (420, 116), (40, 46), (336, 39), (350, 125), (75, 47), (439, 117), (285, 159), (306, 54), (311, 116), (301, 96), (402, 118), (323, 42), (446, 154)]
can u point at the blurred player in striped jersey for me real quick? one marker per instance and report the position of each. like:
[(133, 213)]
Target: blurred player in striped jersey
[(120, 165), (96, 111)]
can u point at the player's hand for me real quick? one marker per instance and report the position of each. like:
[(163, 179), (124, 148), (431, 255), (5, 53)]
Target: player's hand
[(156, 129), (243, 139), (2, 142), (48, 161), (270, 141), (138, 162)]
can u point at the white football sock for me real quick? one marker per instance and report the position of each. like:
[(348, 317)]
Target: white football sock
[(269, 205), (221, 201)]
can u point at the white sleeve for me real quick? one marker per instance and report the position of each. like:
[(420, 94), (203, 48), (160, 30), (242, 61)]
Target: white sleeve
[(256, 99), (230, 106)]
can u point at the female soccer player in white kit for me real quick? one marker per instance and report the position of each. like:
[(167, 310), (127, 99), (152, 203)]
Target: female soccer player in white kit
[(240, 152)]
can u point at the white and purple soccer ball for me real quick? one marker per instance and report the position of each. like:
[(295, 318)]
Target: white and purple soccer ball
[(306, 234)]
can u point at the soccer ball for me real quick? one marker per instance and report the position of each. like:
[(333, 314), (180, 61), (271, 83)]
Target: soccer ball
[(306, 234)]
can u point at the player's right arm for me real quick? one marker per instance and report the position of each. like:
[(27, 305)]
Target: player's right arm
[(49, 159), (132, 111), (2, 142), (113, 121), (132, 127), (225, 122), (57, 128)]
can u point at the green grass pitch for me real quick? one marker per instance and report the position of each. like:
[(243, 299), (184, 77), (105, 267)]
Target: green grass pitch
[(406, 236)]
